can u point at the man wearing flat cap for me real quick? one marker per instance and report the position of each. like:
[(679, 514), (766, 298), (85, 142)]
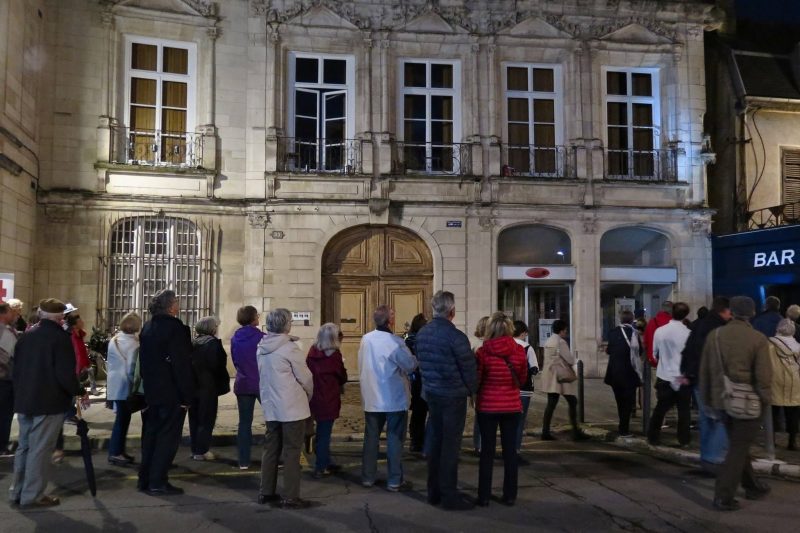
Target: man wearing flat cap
[(742, 354), (44, 385)]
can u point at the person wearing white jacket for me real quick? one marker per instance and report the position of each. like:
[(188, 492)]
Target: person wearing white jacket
[(123, 350), (384, 363), (286, 385)]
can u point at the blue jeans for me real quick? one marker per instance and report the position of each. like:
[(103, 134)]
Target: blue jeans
[(395, 423), (713, 435), (119, 433), (244, 436), (322, 444), (446, 416), (526, 403)]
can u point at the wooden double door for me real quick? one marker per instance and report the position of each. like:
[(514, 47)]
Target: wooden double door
[(368, 266)]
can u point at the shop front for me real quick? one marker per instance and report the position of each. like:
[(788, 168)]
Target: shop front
[(758, 264)]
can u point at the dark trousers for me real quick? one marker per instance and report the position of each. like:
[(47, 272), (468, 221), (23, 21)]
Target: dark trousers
[(792, 417), (416, 425), (202, 417), (626, 400), (446, 419), (322, 444), (282, 439), (162, 426), (488, 422), (737, 467), (666, 399), (6, 412), (552, 402), (119, 433), (244, 435)]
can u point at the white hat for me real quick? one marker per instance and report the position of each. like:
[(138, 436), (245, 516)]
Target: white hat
[(70, 308)]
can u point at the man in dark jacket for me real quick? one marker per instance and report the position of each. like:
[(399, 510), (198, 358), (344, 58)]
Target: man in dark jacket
[(767, 321), (44, 384), (449, 377), (624, 371), (166, 368), (713, 437)]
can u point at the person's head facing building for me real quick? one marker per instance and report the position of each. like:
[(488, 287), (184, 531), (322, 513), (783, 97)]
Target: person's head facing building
[(131, 323), (786, 328), (480, 327), (247, 316), (52, 309), (164, 302), (383, 317), (520, 329), (722, 306), (443, 305), (279, 321), (417, 323), (626, 317), (679, 311), (772, 304), (499, 326), (743, 308), (207, 325)]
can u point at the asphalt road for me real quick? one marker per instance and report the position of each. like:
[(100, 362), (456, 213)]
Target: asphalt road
[(566, 487)]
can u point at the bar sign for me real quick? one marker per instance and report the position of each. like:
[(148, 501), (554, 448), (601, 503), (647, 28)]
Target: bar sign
[(453, 223)]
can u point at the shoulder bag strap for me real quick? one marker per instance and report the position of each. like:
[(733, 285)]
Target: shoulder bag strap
[(116, 343), (627, 340), (718, 350), (511, 369)]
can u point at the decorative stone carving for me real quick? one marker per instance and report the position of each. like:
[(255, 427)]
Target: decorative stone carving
[(378, 205), (258, 220), (590, 225), (203, 8), (700, 226), (213, 33), (487, 223)]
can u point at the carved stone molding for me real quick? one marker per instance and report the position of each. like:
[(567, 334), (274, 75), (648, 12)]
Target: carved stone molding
[(59, 213), (487, 222), (378, 205), (590, 225), (700, 226), (258, 220), (204, 8)]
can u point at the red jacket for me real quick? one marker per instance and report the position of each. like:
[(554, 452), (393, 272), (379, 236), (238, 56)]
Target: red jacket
[(497, 392), (82, 361), (661, 318), (329, 376)]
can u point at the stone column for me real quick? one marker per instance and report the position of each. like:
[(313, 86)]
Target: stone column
[(585, 298), (273, 112)]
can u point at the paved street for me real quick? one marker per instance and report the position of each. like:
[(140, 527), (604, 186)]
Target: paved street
[(567, 487)]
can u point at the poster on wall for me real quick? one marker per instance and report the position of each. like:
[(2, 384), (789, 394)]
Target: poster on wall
[(6, 286), (545, 330), (623, 304)]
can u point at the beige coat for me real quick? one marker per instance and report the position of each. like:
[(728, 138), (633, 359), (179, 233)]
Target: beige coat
[(785, 371), (552, 347), (745, 353)]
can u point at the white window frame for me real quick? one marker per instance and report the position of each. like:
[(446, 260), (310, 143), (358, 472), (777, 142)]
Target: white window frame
[(190, 78), (531, 95), (654, 100), (454, 92), (349, 87)]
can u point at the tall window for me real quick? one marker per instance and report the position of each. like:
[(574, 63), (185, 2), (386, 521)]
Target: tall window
[(533, 102), (321, 111), (431, 115), (150, 253), (790, 160), (160, 83), (632, 119)]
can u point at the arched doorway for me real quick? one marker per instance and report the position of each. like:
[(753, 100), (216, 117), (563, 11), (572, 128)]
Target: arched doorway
[(366, 266)]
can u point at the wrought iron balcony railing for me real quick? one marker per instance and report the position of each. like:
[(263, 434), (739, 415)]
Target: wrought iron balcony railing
[(538, 161), (642, 165), (319, 155), (776, 215), (156, 148), (432, 158)]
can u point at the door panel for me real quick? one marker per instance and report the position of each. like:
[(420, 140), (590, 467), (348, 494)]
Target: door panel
[(407, 298), (348, 304)]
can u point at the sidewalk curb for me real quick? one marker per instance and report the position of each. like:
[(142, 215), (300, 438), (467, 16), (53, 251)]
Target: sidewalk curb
[(773, 468)]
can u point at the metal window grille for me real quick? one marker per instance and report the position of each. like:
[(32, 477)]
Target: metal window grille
[(144, 254)]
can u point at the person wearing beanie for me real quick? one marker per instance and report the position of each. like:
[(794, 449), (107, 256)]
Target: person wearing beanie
[(742, 354)]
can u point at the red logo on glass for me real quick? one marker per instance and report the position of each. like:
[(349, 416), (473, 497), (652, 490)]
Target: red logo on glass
[(537, 272)]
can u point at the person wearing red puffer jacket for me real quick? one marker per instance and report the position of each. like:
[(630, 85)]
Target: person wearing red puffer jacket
[(502, 368)]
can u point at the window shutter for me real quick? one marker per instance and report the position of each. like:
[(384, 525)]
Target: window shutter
[(791, 176)]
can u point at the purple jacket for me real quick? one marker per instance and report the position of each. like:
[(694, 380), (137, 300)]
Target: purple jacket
[(243, 353)]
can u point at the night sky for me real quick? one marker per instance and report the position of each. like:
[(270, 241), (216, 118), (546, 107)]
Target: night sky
[(784, 11)]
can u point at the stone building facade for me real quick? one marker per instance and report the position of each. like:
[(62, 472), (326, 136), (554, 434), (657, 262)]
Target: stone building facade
[(543, 158)]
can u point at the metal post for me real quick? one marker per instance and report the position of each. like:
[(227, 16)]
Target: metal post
[(648, 376), (581, 410), (769, 428)]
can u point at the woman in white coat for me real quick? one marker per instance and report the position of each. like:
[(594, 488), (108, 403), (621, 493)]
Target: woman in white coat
[(557, 352), (123, 349)]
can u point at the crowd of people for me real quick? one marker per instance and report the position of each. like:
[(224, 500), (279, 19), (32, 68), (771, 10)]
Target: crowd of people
[(159, 369)]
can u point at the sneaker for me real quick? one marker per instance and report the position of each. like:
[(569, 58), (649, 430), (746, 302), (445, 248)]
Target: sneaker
[(404, 486), (5, 454), (44, 501), (208, 456), (294, 503), (118, 460), (367, 484), (167, 490), (244, 467)]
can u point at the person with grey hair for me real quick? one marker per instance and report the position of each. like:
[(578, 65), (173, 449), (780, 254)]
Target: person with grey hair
[(17, 306), (793, 314), (166, 369), (384, 363), (741, 353), (784, 354), (327, 366), (210, 365), (123, 352), (286, 386), (767, 321), (449, 377), (44, 387)]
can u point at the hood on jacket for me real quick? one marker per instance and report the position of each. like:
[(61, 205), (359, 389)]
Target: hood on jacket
[(203, 339), (316, 353), (662, 317), (247, 333), (500, 346), (272, 342)]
